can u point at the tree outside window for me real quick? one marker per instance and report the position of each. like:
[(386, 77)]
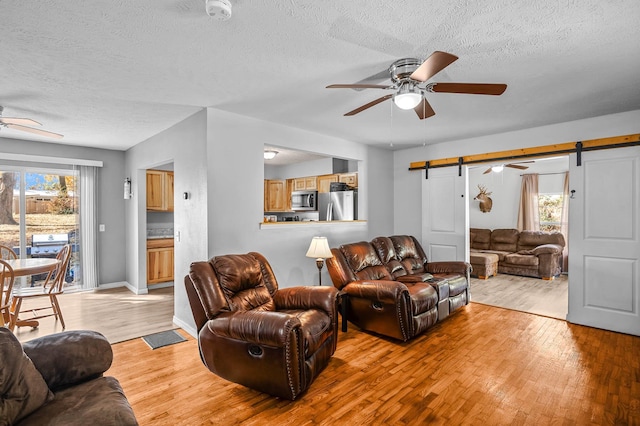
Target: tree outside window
[(550, 210)]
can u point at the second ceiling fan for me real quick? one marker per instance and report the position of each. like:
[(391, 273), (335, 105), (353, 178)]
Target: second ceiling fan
[(408, 76), (498, 168)]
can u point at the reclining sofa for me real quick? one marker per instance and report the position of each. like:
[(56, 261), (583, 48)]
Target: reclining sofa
[(388, 286), (535, 254)]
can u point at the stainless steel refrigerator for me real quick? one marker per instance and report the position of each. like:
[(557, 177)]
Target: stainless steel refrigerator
[(338, 205)]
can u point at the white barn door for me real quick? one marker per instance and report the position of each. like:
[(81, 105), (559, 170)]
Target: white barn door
[(445, 217), (604, 240)]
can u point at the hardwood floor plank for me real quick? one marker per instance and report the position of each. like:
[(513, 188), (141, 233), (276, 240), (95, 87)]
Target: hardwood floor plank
[(117, 313), (483, 365)]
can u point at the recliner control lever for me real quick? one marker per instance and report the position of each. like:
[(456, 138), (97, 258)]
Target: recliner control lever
[(255, 351)]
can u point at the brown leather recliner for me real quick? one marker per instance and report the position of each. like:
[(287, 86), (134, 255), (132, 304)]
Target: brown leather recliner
[(250, 332)]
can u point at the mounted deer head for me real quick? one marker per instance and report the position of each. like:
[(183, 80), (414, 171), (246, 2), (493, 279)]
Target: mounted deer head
[(485, 202)]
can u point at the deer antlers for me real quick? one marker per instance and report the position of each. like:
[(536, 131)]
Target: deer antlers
[(483, 190)]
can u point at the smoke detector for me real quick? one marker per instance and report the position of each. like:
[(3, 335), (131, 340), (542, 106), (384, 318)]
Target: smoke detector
[(219, 9)]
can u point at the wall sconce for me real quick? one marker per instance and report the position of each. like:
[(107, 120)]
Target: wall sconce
[(319, 248), (127, 188)]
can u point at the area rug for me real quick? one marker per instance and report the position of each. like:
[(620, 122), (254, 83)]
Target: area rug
[(164, 338)]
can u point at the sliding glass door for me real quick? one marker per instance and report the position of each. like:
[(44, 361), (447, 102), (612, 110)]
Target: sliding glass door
[(39, 213)]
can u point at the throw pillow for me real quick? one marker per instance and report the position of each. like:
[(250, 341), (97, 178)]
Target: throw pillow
[(22, 388)]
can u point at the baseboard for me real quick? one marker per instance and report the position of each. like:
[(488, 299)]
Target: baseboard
[(131, 288), (186, 327)]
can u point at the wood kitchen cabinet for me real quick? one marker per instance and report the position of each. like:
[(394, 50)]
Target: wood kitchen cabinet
[(350, 179), (324, 182), (159, 260), (309, 183), (160, 190), (275, 195)]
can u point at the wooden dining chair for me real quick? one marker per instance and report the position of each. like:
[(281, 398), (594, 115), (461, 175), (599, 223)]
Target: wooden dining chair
[(6, 281), (7, 253), (53, 286)]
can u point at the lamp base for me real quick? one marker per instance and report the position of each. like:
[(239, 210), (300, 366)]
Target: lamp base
[(319, 264)]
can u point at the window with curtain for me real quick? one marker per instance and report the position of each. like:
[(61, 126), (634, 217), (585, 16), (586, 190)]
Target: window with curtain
[(528, 212)]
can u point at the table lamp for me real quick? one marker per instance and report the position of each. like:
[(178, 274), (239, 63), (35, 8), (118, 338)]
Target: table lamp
[(319, 248)]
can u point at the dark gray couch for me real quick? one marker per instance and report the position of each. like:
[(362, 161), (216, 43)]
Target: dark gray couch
[(58, 380)]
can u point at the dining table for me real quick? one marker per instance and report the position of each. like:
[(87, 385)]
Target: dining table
[(27, 267)]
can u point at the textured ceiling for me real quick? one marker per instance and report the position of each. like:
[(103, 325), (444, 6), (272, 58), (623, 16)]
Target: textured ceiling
[(111, 74)]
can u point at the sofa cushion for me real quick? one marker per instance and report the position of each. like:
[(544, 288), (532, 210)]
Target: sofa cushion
[(22, 388), (501, 254), (481, 238), (504, 240), (363, 260), (97, 402), (408, 254), (387, 254), (79, 355), (521, 259), (529, 240)]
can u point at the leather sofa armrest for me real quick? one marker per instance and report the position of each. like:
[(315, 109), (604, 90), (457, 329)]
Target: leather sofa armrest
[(547, 249), (322, 298), (459, 267), (259, 327), (382, 290), (70, 357)]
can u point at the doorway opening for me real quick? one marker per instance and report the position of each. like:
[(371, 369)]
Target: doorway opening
[(513, 291)]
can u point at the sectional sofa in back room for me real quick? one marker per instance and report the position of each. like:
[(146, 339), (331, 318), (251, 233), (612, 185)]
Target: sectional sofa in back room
[(509, 251)]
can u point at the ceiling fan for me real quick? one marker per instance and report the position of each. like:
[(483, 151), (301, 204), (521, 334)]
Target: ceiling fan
[(408, 75), (499, 167), (22, 123)]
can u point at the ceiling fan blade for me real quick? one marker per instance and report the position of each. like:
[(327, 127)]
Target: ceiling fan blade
[(470, 88), (433, 65), (358, 86), (369, 105), (424, 109), (487, 171), (515, 166), (36, 131), (20, 121)]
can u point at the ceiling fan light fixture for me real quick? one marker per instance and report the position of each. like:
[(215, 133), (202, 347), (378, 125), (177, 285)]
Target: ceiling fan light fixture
[(218, 9), (408, 97), (497, 169), (270, 154)]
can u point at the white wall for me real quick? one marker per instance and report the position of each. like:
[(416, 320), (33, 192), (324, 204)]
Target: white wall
[(111, 256), (235, 195), (323, 166), (407, 193), (505, 190), (184, 145)]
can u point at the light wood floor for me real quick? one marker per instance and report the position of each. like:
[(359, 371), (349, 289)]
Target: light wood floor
[(117, 313), (533, 295), (482, 366)]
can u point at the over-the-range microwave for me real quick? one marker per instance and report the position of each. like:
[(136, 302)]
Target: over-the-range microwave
[(304, 200)]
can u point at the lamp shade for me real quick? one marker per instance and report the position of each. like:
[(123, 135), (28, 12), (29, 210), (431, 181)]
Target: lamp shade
[(319, 248)]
